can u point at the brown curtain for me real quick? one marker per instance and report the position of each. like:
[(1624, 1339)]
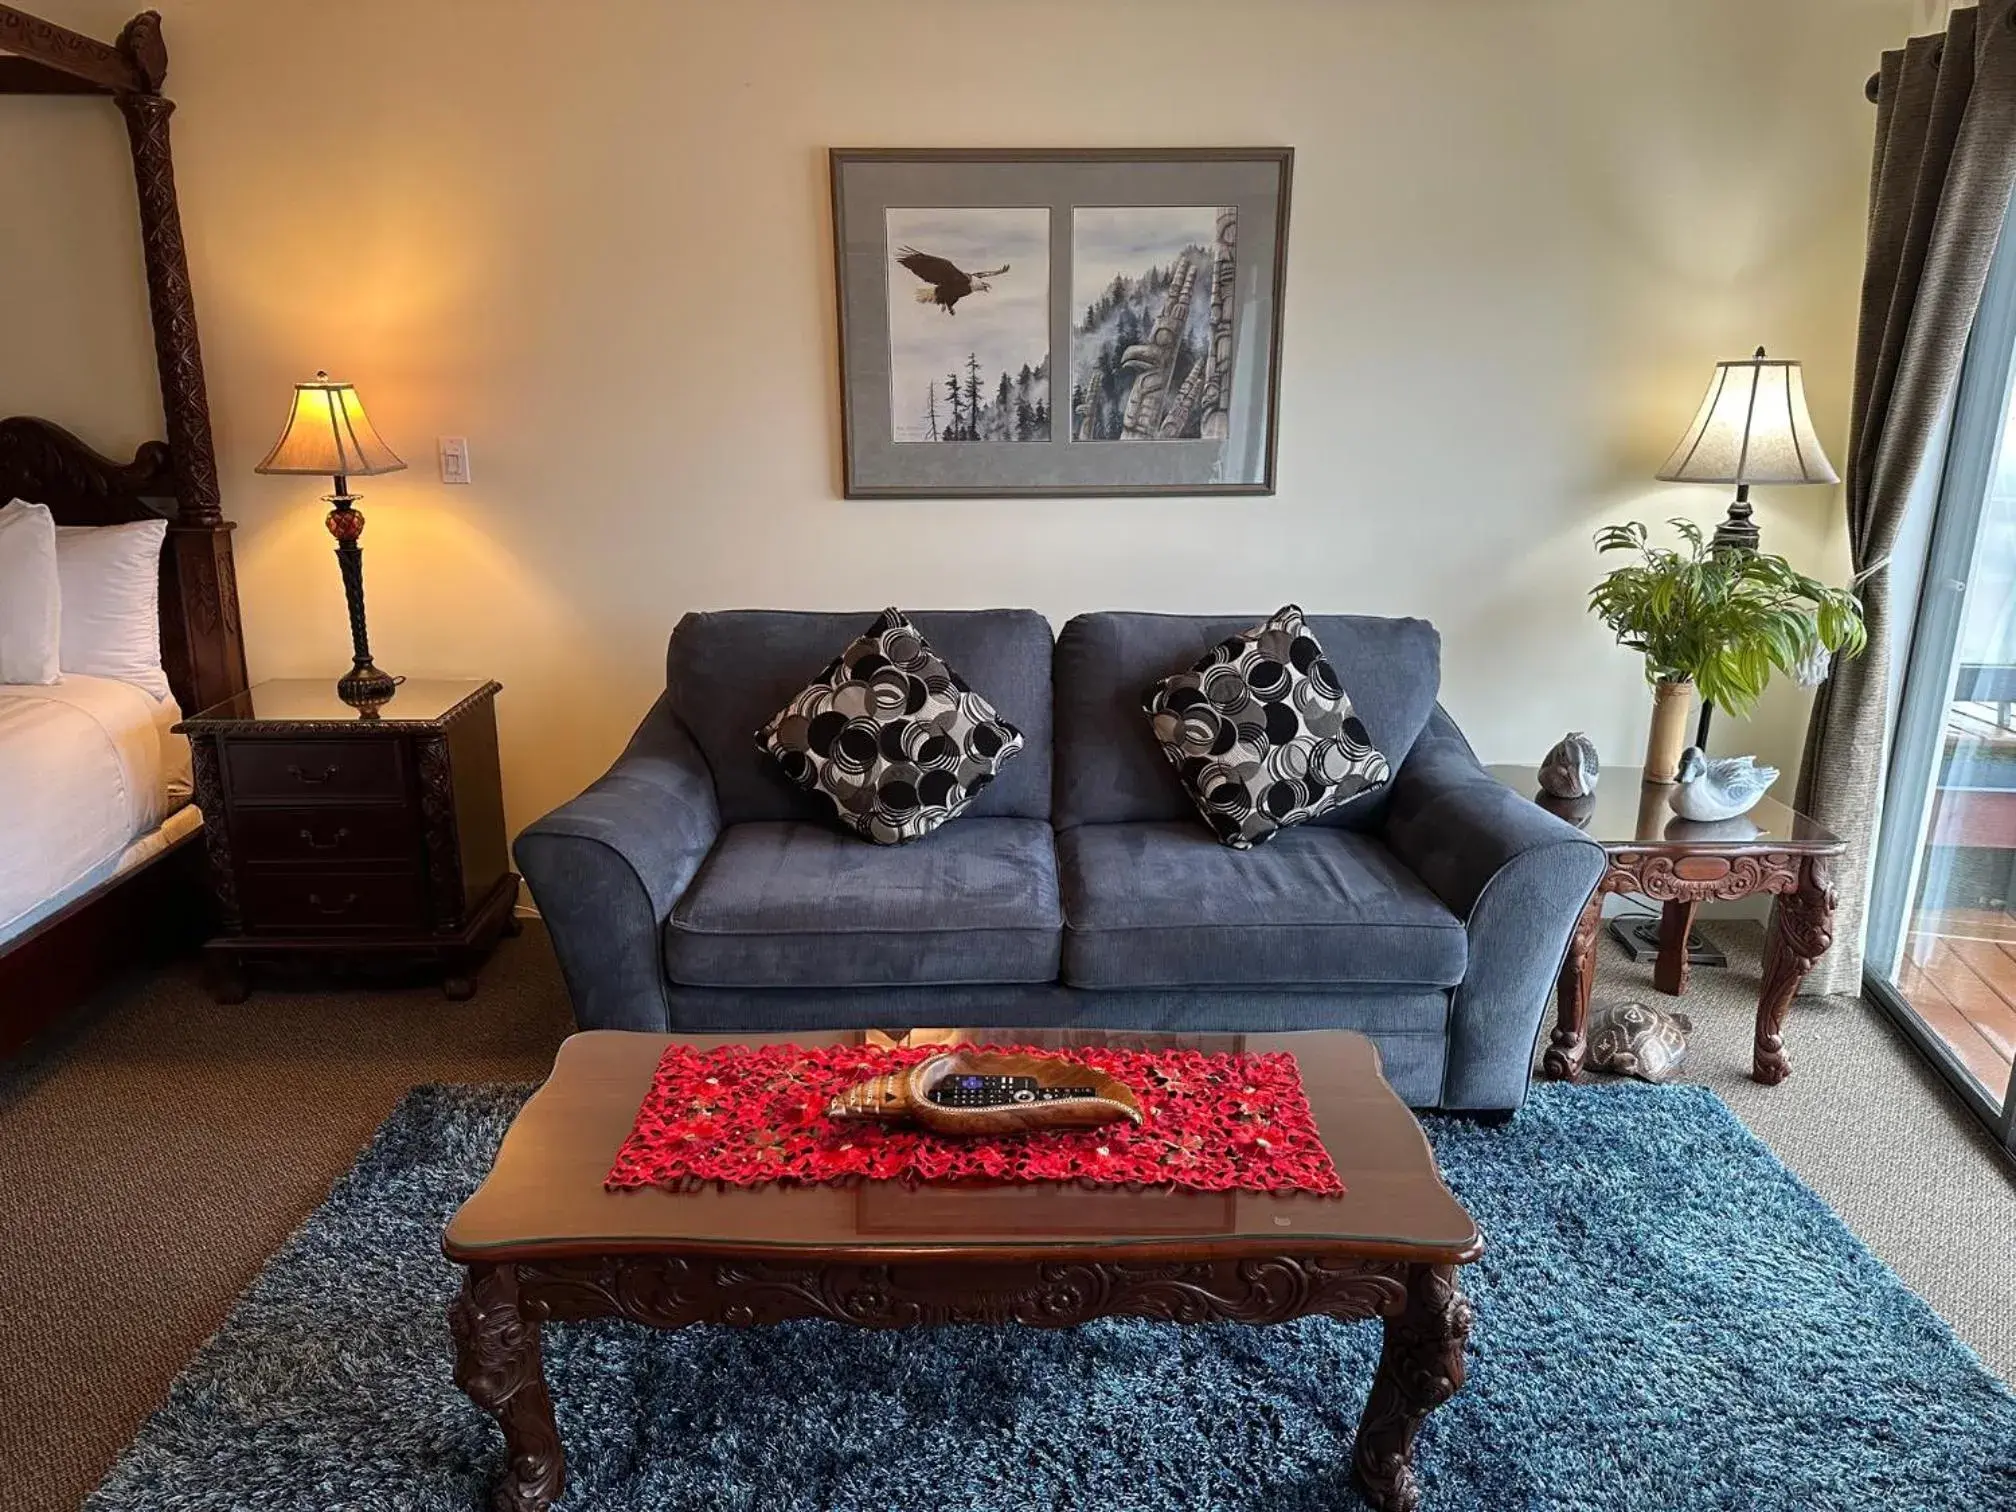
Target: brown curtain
[(1938, 190)]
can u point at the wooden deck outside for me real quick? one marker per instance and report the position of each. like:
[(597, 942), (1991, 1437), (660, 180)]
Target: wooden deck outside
[(1961, 980), (1959, 966)]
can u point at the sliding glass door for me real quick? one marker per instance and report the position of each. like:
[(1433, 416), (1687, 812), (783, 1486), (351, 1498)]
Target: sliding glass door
[(1942, 923)]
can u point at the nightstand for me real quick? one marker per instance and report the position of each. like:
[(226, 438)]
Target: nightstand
[(353, 842)]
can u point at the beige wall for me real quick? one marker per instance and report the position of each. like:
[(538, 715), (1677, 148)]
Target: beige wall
[(592, 237)]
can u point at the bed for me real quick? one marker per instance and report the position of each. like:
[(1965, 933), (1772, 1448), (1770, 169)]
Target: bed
[(101, 857), (93, 783)]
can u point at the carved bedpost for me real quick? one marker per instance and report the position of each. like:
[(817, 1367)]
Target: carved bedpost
[(184, 399), (197, 568)]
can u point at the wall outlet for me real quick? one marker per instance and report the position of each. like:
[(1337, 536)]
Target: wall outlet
[(454, 459)]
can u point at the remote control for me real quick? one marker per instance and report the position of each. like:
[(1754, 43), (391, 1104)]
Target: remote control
[(999, 1091)]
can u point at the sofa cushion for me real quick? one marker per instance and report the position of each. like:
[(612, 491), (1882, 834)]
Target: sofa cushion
[(728, 672), (803, 905), (1163, 904), (891, 736), (1262, 735), (1109, 768)]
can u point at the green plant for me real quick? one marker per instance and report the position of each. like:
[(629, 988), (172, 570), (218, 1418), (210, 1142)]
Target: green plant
[(1724, 620)]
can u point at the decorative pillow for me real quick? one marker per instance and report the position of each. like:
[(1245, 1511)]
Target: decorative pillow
[(30, 599), (111, 577), (891, 736), (1262, 734)]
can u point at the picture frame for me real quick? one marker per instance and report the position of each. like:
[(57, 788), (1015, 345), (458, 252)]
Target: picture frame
[(1063, 322)]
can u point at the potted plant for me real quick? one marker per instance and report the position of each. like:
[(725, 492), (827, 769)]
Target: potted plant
[(1718, 620)]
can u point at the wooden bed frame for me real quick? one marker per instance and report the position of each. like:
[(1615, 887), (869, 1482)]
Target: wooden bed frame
[(165, 903)]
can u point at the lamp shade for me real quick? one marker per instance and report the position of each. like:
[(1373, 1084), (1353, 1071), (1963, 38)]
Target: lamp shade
[(1752, 427), (327, 432)]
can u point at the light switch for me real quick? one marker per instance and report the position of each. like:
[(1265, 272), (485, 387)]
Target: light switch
[(454, 459)]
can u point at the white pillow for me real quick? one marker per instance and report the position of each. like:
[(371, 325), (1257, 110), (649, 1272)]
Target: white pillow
[(111, 582), (30, 599)]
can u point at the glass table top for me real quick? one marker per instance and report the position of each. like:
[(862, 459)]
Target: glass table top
[(419, 700), (1627, 810), (545, 1194)]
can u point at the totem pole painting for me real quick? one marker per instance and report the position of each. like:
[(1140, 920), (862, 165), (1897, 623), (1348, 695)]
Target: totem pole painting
[(1151, 335)]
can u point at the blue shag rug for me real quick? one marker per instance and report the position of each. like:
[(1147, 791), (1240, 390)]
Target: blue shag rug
[(1666, 1318)]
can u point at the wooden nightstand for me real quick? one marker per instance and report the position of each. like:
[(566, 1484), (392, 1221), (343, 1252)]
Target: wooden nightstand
[(354, 841)]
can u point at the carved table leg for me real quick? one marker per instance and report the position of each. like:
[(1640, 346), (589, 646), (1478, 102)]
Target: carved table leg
[(1420, 1368), (497, 1362), (1571, 996), (1802, 927), (1676, 924), (224, 974)]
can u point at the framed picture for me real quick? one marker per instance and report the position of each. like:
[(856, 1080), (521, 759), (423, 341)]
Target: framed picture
[(1060, 322)]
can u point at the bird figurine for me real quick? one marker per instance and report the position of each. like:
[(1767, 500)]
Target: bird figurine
[(1708, 791), (1570, 770)]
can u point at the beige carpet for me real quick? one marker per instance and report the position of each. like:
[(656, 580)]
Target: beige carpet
[(155, 1151)]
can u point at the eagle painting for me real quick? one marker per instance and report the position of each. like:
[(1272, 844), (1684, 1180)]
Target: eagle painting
[(948, 285)]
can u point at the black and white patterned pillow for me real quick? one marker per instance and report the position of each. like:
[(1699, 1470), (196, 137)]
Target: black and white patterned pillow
[(891, 736), (1262, 734)]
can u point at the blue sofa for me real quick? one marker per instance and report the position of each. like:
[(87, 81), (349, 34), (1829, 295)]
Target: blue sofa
[(693, 889)]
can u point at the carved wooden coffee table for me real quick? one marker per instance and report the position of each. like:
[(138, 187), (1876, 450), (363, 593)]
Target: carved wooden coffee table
[(544, 1242), (1680, 864)]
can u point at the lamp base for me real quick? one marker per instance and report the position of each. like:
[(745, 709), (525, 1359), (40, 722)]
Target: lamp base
[(365, 687), (1738, 530)]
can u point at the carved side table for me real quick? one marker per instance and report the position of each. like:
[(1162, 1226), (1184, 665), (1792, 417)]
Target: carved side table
[(348, 841), (1680, 864), (542, 1242)]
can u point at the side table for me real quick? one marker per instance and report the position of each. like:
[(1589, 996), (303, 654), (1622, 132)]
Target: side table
[(351, 840), (1772, 849)]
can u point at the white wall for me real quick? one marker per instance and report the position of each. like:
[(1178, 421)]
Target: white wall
[(593, 238)]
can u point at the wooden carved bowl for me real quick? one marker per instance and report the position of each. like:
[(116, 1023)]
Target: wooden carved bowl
[(905, 1096)]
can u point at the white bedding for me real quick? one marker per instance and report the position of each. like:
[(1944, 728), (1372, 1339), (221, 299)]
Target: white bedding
[(88, 766)]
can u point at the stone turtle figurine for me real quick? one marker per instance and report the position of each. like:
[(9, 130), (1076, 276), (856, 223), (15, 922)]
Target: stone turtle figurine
[(1635, 1039), (1570, 770)]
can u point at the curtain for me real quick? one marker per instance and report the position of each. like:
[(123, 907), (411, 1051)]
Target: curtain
[(1938, 190)]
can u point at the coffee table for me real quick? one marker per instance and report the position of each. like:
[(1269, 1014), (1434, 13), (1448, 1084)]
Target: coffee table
[(542, 1241)]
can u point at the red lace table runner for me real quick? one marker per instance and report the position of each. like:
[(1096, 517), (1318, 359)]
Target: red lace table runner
[(753, 1115)]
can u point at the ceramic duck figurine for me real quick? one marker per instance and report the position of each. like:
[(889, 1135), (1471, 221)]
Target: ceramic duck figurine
[(1721, 789), (1571, 768)]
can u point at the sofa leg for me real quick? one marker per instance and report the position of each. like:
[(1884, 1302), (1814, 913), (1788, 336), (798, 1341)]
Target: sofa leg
[(1491, 1118)]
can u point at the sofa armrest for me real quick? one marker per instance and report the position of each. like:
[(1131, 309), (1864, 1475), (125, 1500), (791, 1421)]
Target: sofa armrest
[(607, 867), (1518, 877)]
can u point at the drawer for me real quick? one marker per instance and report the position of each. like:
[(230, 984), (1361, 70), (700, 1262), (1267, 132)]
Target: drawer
[(333, 900), (325, 833), (314, 769)]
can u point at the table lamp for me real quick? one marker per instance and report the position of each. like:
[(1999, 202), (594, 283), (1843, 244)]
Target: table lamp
[(1752, 427), (328, 433)]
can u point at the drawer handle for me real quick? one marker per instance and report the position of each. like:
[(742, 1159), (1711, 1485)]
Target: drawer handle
[(315, 902), (335, 840), (328, 774)]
